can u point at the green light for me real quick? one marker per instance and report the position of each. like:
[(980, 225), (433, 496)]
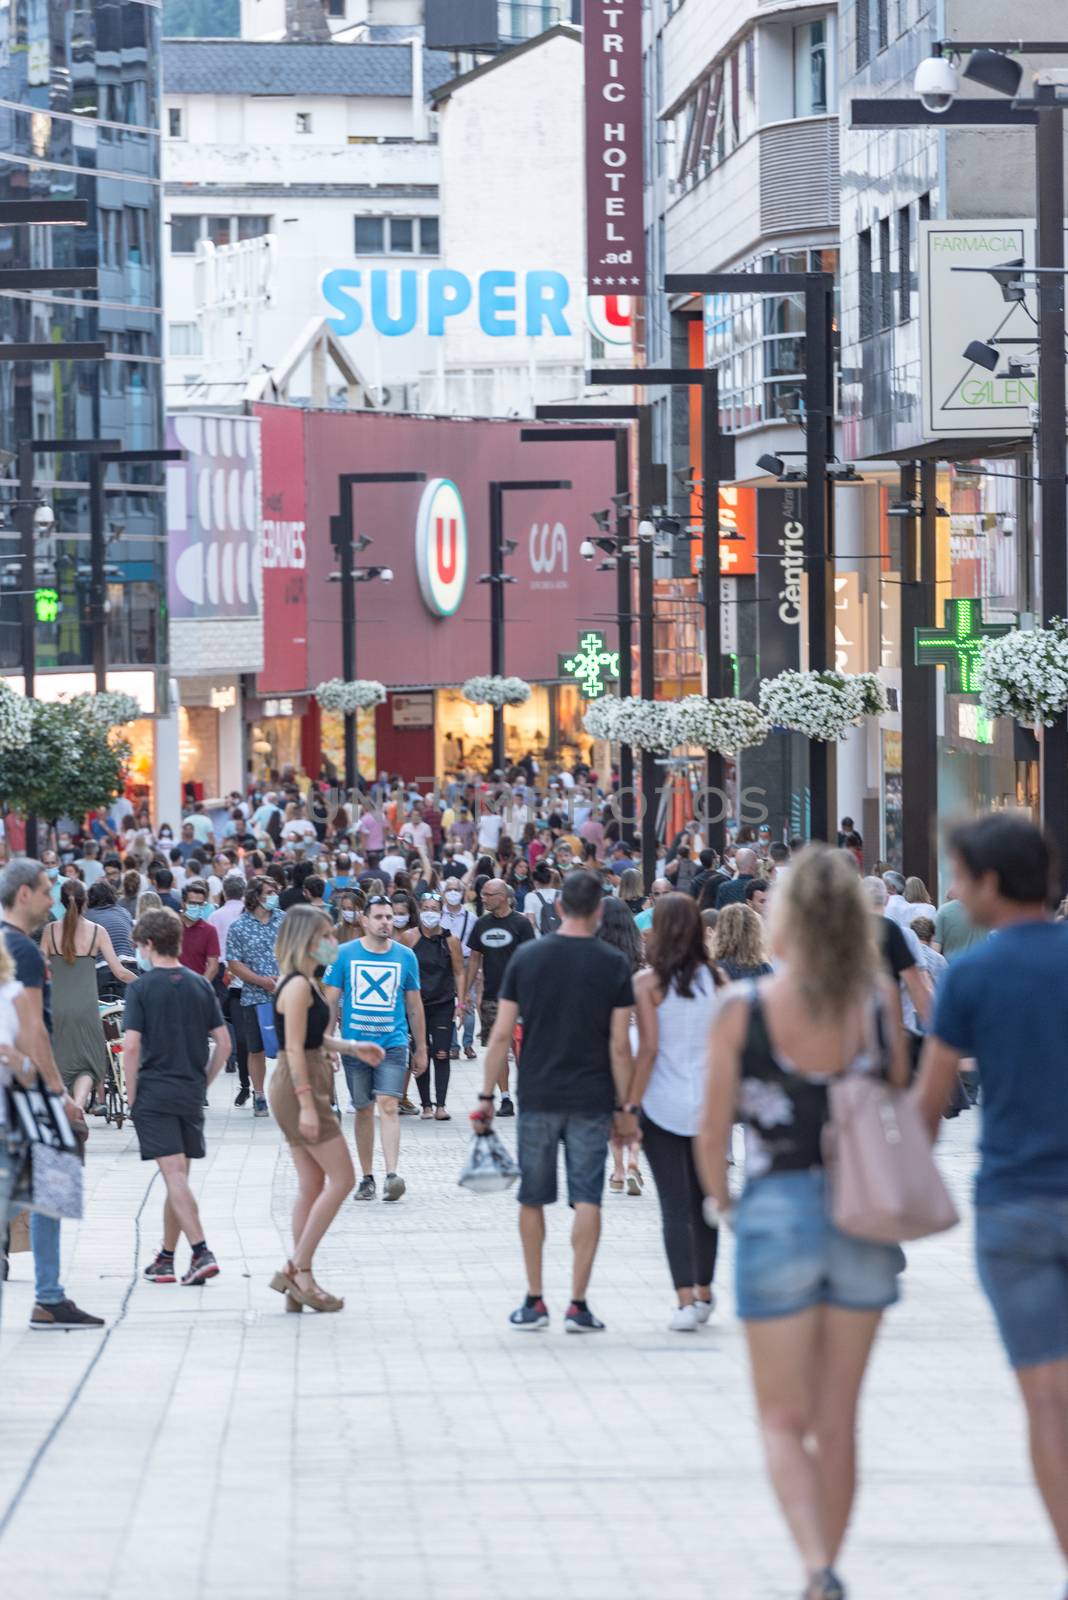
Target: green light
[(592, 665), (46, 605), (959, 645)]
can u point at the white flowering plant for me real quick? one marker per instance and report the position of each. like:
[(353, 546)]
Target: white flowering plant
[(643, 724), (822, 705), (493, 690), (356, 694), (1024, 674), (16, 719), (726, 725), (108, 709)]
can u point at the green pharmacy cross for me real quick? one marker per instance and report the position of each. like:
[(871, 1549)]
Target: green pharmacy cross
[(592, 665), (959, 645), (46, 605)]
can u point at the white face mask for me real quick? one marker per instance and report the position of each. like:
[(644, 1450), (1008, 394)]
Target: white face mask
[(431, 919), (400, 919), (347, 914), (454, 896)]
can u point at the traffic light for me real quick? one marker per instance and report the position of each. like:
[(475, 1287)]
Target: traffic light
[(46, 605)]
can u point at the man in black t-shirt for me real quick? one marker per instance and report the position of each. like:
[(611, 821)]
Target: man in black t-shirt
[(574, 995), (171, 1017), (493, 943)]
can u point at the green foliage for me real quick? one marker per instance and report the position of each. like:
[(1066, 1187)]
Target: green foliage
[(201, 19), (70, 764)]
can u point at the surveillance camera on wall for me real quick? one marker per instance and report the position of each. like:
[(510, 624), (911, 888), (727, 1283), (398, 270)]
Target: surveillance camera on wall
[(587, 549), (937, 82), (44, 517)]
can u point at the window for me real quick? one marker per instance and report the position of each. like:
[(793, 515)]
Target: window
[(174, 122), (882, 22), (185, 339), (304, 122), (185, 231), (862, 12), (810, 69), (396, 236), (925, 207), (219, 230), (335, 8), (904, 264), (886, 282), (253, 227), (866, 288)]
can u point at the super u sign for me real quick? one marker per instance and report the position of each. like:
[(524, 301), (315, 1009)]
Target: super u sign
[(441, 547)]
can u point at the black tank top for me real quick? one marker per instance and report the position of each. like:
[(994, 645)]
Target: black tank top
[(318, 1017), (436, 978)]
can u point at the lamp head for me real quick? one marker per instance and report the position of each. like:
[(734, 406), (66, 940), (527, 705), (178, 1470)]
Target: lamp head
[(774, 466), (983, 355), (995, 71)]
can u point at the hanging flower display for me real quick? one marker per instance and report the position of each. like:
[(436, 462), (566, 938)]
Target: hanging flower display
[(358, 694), (643, 724), (16, 719), (726, 725), (601, 718), (108, 709), (1025, 674), (496, 691), (822, 705)]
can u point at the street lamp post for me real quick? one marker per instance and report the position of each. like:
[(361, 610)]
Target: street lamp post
[(621, 558), (341, 534), (496, 578)]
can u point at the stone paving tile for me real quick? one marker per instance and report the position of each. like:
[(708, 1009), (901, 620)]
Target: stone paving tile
[(415, 1447)]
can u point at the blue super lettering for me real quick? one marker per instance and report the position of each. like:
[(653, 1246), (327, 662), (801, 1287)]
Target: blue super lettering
[(334, 286), (448, 293), (405, 319), (547, 295), (496, 303)]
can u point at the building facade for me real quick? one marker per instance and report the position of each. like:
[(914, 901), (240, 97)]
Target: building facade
[(80, 85)]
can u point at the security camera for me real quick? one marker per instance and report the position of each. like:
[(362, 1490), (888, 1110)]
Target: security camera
[(44, 517), (587, 549), (386, 575), (937, 82), (1007, 523), (646, 531)]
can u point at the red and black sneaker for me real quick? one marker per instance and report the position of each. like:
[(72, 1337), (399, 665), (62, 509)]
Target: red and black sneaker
[(161, 1270), (530, 1317), (201, 1268)]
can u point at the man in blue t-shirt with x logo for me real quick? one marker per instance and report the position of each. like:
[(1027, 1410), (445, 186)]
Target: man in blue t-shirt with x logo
[(375, 984)]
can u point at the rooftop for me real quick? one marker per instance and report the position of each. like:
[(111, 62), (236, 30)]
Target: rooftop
[(246, 66)]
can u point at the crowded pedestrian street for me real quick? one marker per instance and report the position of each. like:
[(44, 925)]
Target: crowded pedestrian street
[(214, 1448)]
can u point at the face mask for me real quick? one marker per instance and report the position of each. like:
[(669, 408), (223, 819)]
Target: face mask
[(53, 873), (400, 919), (64, 844), (325, 951), (323, 869), (348, 915), (431, 919), (165, 833), (454, 897), (271, 902), (143, 962), (196, 912)]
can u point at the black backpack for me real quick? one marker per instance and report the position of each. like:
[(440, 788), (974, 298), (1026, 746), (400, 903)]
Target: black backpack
[(549, 919)]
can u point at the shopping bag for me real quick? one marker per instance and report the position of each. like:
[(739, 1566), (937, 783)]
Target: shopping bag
[(55, 1182), (490, 1167), (265, 1018)]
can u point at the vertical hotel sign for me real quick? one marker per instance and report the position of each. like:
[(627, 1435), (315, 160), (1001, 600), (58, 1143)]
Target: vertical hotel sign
[(615, 247)]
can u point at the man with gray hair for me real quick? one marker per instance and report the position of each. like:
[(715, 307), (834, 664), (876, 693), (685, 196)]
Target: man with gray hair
[(25, 904), (746, 863), (903, 959), (898, 908)]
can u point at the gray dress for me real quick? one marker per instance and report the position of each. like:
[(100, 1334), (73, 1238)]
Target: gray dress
[(77, 1037)]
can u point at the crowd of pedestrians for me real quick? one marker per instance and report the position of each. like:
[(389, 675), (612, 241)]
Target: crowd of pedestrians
[(356, 950)]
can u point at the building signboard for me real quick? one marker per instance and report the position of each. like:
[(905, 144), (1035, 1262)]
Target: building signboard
[(285, 552), (780, 543), (213, 517), (615, 240), (961, 397)]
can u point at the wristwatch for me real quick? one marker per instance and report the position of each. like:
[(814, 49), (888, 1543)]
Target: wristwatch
[(627, 1110)]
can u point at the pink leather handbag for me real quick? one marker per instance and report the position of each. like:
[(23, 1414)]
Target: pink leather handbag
[(884, 1184)]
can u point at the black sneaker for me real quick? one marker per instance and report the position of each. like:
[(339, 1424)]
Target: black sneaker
[(506, 1108), (231, 1066), (365, 1189), (201, 1268), (62, 1317), (243, 1095), (528, 1319), (576, 1321), (161, 1270)]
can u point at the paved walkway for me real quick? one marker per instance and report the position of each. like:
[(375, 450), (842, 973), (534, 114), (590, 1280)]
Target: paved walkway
[(414, 1448)]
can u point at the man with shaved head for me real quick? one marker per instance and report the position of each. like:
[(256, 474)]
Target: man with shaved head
[(661, 886), (495, 939), (732, 893)]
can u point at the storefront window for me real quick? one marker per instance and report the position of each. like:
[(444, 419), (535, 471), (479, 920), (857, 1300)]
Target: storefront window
[(528, 728), (141, 737), (893, 829), (274, 744), (463, 734), (198, 750), (332, 739)]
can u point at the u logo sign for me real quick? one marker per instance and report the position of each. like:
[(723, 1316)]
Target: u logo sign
[(546, 544), (441, 547)]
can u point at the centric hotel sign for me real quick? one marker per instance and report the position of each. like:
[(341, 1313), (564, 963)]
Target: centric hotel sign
[(441, 547)]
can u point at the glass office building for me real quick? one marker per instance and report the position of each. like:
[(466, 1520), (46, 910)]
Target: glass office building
[(79, 119)]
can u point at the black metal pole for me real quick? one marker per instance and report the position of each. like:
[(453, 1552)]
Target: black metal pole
[(623, 606), (27, 583), (496, 588), (715, 805), (1049, 196), (341, 530), (646, 641), (819, 557), (919, 684), (97, 581)]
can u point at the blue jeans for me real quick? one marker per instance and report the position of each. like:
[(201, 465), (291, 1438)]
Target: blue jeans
[(1021, 1246), (44, 1242), (469, 1030)]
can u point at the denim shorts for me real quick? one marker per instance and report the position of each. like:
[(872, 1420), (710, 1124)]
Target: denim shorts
[(789, 1255), (1021, 1248), (585, 1140), (366, 1083)]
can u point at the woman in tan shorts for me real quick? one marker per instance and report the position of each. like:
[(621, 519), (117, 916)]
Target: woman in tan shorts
[(301, 1096)]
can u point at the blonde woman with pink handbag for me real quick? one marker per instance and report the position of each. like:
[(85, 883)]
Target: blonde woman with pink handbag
[(811, 1296)]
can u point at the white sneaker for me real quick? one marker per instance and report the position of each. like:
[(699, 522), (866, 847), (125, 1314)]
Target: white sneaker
[(705, 1308), (684, 1319)]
